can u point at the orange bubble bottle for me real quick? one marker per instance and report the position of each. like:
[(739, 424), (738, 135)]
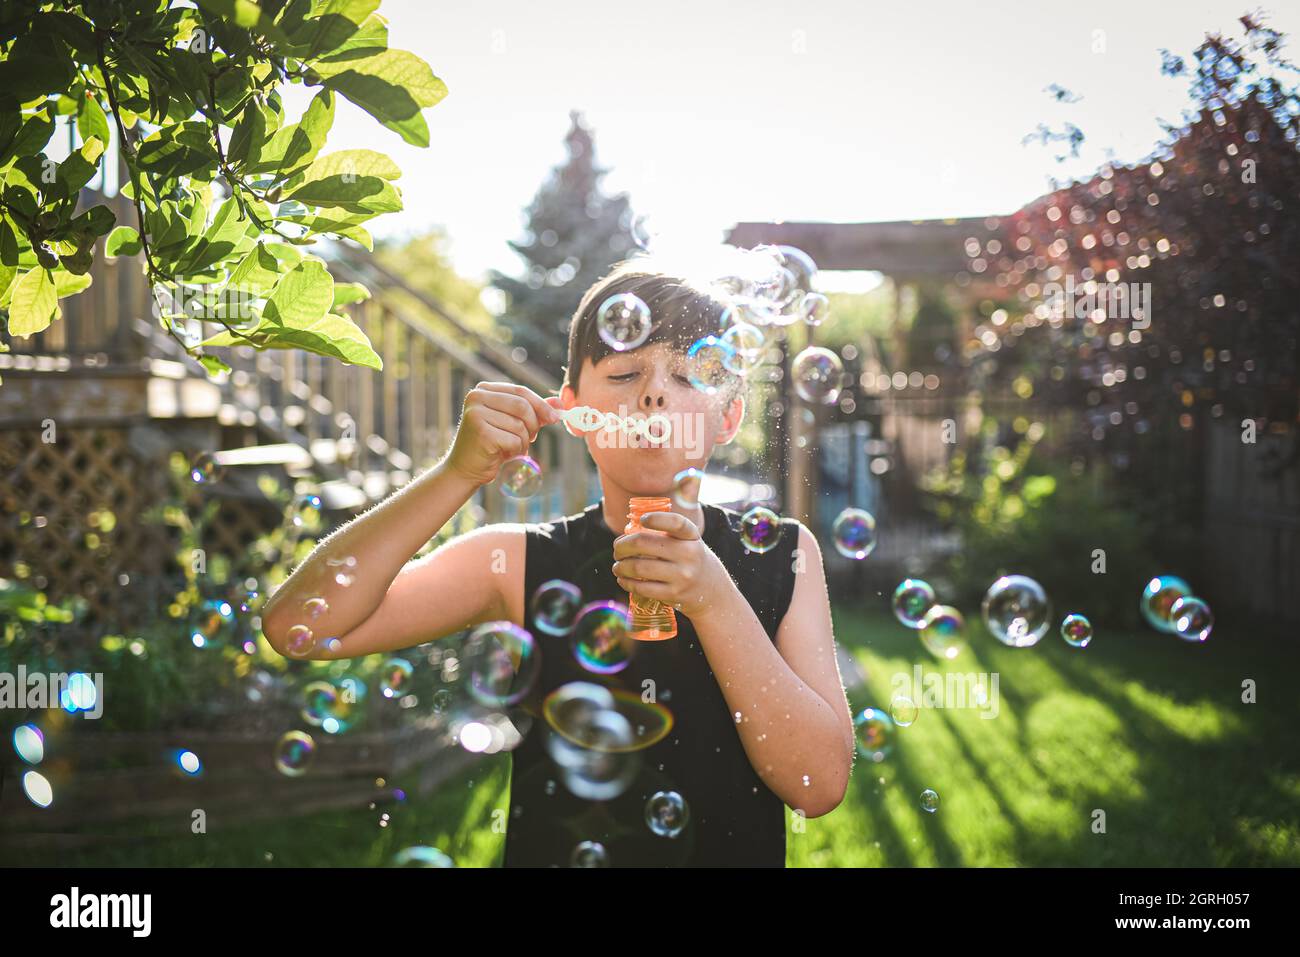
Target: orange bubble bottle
[(649, 618)]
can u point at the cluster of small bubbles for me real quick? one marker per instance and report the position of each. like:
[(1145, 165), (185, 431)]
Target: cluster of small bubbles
[(623, 322), (29, 743), (818, 375), (929, 800), (294, 753), (709, 362), (1191, 618), (555, 606), (345, 569), (502, 662), (875, 733), (299, 641), (1076, 630), (1016, 611), (666, 813), (943, 632), (421, 855), (1158, 600), (319, 701), (903, 710), (395, 677), (760, 529), (521, 476), (912, 599), (306, 512), (686, 487), (854, 533), (600, 639), (590, 854), (205, 469)]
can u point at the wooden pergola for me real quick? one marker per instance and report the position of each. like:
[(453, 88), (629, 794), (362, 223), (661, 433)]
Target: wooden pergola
[(909, 252)]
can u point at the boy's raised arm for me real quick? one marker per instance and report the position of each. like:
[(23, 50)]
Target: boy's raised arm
[(447, 590)]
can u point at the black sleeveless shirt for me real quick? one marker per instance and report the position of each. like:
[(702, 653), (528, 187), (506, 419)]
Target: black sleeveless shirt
[(734, 819)]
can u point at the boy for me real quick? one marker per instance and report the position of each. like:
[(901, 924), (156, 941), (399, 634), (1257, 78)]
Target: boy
[(749, 686)]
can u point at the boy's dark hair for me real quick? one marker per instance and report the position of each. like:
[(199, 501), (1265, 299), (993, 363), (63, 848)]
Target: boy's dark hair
[(682, 311)]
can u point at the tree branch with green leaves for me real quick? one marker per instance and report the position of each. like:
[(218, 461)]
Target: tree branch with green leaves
[(225, 189)]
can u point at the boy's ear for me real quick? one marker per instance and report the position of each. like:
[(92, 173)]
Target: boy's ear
[(732, 418), (568, 399)]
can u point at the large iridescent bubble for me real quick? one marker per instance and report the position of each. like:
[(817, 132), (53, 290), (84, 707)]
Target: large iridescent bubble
[(1017, 611), (1158, 600)]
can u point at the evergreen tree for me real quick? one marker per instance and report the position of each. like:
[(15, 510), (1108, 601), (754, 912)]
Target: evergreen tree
[(575, 233)]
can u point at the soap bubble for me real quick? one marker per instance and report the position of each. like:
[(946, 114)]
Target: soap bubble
[(800, 266), (314, 607), (1076, 630), (760, 529), (555, 606), (623, 321), (1158, 601), (903, 710), (1016, 611), (294, 753), (188, 763), (818, 374), (38, 789), (1191, 618), (912, 599), (29, 742), (590, 854), (205, 469), (421, 856), (299, 642), (319, 699), (600, 639), (521, 476), (686, 487), (666, 813), (813, 308), (709, 361), (746, 342), (395, 677), (854, 533), (943, 632), (875, 733), (502, 663), (929, 800), (596, 754)]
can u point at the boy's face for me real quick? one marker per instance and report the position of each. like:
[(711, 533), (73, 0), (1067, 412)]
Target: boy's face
[(652, 380)]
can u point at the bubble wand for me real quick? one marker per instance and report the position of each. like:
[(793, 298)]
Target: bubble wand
[(586, 419)]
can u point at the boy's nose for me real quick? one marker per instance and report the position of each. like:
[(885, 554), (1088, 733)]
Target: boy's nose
[(652, 399)]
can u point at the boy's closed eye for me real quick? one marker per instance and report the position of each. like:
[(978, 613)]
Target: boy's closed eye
[(629, 376)]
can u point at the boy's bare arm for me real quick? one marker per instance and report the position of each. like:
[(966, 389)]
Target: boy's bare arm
[(389, 604), (795, 722)]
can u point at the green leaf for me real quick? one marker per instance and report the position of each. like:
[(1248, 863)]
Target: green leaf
[(91, 119), (349, 292), (122, 241), (248, 136), (245, 14), (35, 133), (333, 23), (263, 267), (355, 180), (331, 335), (80, 167), (302, 296), (8, 258), (392, 86), (67, 284), (35, 64), (35, 303), (213, 365), (298, 143)]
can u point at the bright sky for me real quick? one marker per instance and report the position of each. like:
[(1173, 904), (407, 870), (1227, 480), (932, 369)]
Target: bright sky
[(710, 113)]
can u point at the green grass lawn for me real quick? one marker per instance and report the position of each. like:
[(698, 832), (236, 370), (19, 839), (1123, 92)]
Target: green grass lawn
[(1141, 726)]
